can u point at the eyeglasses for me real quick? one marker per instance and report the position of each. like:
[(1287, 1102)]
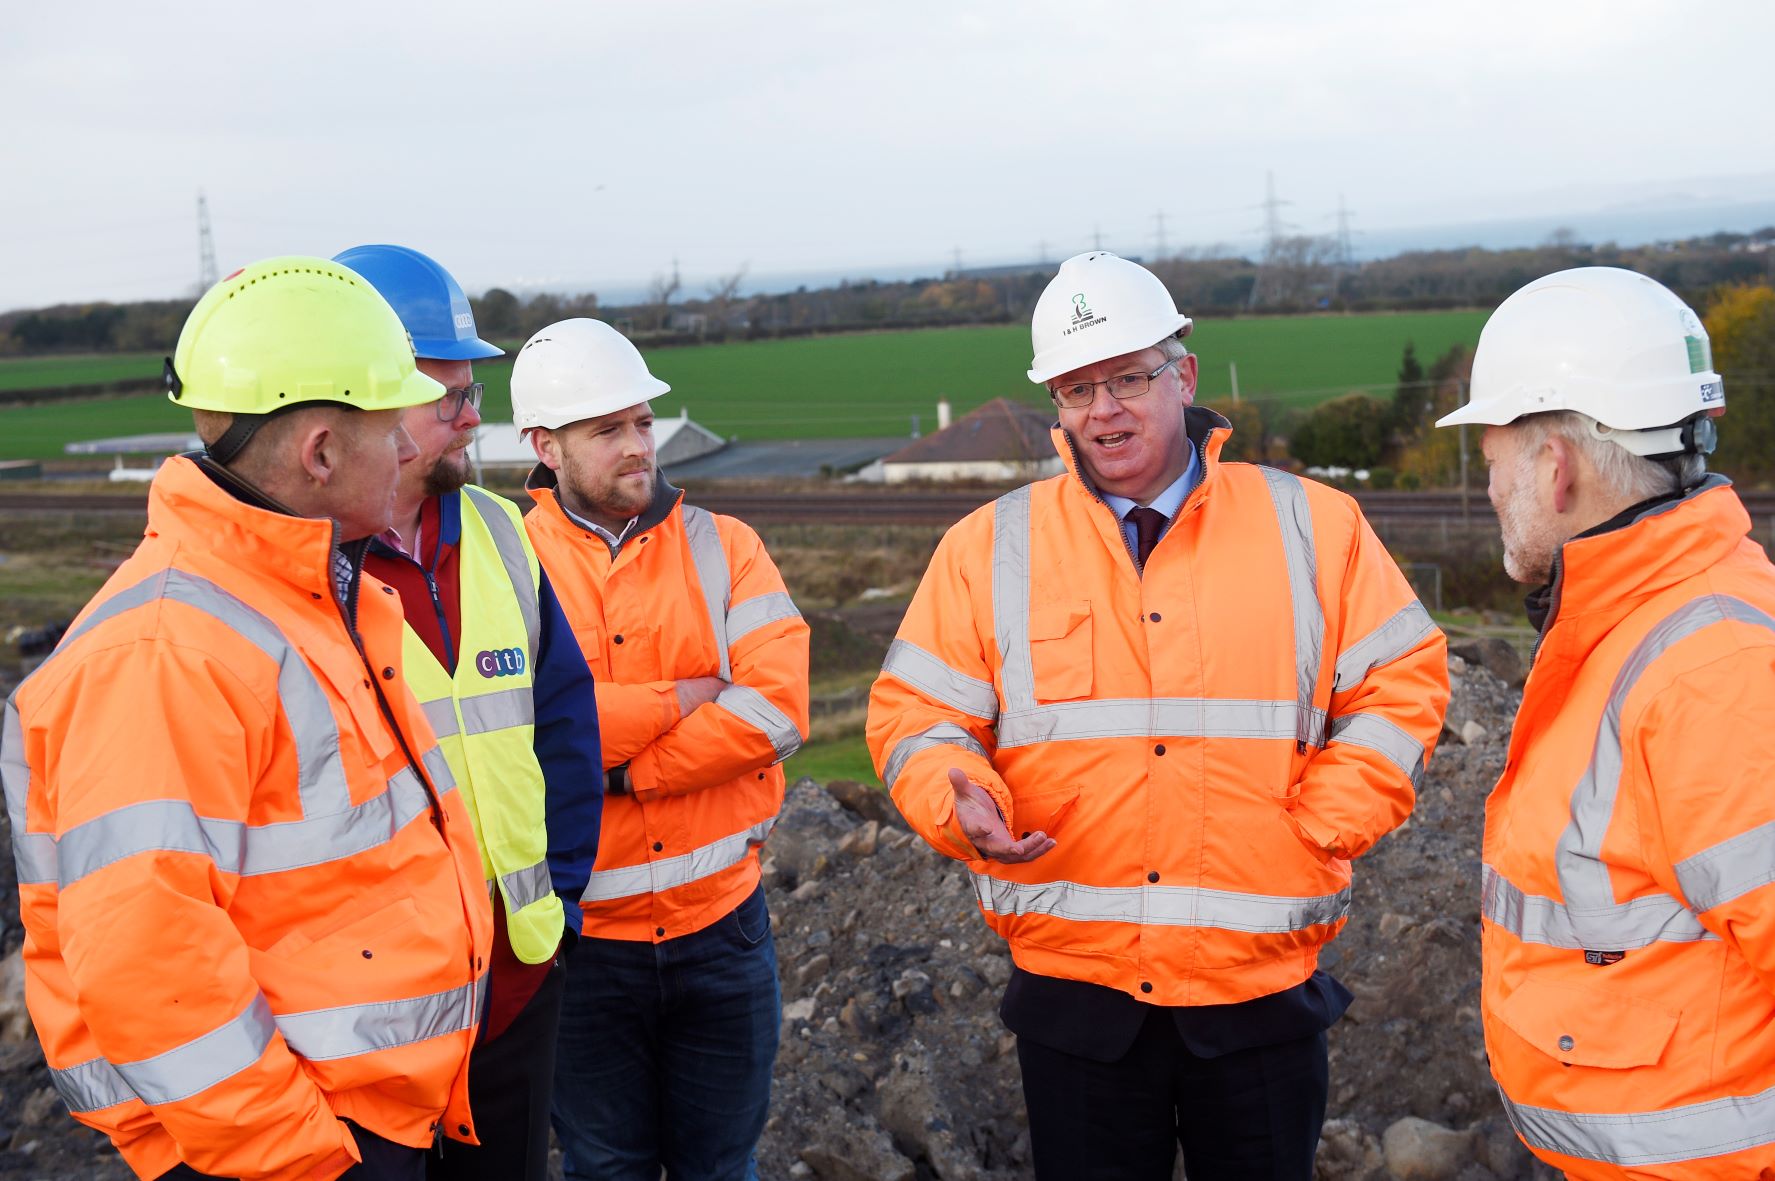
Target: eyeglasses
[(1121, 387), (452, 404)]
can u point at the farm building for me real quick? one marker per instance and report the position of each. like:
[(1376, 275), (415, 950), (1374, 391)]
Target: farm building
[(1002, 440), (677, 440)]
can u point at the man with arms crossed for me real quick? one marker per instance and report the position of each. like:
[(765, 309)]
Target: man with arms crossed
[(670, 1024)]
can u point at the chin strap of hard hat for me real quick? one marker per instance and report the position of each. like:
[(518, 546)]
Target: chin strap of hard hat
[(231, 441)]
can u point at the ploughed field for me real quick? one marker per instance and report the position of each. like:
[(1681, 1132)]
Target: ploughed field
[(859, 384)]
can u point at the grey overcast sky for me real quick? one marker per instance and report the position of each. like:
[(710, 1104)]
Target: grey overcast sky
[(584, 146)]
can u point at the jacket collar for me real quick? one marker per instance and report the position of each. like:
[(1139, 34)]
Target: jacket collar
[(1203, 429), (543, 486), (1648, 548), (196, 502)]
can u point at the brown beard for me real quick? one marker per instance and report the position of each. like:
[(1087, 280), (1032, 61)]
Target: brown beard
[(446, 478)]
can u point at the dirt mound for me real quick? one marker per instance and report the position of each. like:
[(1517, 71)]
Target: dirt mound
[(894, 1065)]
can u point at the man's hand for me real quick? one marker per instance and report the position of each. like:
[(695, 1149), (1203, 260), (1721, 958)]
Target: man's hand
[(985, 828), (698, 691)]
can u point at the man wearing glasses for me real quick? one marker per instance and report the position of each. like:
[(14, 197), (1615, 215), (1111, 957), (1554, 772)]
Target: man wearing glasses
[(1157, 704), (495, 665)]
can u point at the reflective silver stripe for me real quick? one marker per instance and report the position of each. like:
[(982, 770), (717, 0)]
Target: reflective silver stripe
[(1692, 1132), (437, 769), (1730, 869), (236, 848), (318, 1035), (1295, 519), (745, 618), (942, 734), (201, 1063), (33, 853), (1584, 879), (1159, 717), (502, 709), (1382, 646), (754, 708), (1010, 598), (321, 780), (1532, 918), (1161, 906), (93, 1085), (508, 540), (930, 676), (321, 1035), (667, 873), (712, 572), (441, 713), (1380, 734), (521, 887)]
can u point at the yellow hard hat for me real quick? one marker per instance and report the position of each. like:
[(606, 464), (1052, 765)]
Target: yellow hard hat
[(291, 330)]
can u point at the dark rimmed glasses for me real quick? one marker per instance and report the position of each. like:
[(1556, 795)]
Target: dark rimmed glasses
[(454, 402), (1123, 386)]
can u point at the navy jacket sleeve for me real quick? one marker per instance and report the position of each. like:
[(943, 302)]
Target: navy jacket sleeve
[(566, 745)]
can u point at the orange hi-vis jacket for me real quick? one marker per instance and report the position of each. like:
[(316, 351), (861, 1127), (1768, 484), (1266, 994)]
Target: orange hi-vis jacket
[(687, 594), (1208, 745), (252, 903), (1629, 881)]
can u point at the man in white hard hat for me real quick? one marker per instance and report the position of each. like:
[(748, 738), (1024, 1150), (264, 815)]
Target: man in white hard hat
[(496, 668), (1629, 864), (1157, 704), (670, 1023)]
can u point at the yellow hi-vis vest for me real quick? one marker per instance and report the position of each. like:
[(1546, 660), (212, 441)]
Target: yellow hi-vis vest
[(485, 717)]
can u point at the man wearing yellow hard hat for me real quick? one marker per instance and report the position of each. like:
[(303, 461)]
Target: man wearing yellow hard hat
[(256, 928)]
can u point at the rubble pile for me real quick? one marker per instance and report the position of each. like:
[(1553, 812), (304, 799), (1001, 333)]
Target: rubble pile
[(894, 1065)]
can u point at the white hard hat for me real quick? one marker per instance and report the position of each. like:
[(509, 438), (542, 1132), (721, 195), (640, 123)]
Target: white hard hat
[(578, 369), (1605, 342), (1099, 306)]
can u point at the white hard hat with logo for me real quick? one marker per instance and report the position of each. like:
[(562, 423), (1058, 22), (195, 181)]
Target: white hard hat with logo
[(1099, 306), (578, 369), (1608, 343)]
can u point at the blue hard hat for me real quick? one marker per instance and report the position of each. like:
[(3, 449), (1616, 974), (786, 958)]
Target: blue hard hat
[(427, 299)]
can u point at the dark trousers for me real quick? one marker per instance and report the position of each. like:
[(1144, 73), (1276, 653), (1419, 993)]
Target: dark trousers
[(1247, 1115), (383, 1160), (666, 1052), (510, 1080)]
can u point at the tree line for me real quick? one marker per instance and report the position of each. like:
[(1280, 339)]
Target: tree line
[(1301, 274)]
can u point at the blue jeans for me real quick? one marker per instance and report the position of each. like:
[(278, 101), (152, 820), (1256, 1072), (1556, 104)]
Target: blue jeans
[(665, 1052)]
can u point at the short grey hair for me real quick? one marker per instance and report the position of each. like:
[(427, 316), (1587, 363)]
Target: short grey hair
[(1631, 477), (1173, 348)]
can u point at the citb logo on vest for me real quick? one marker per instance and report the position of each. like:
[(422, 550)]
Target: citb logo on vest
[(500, 662)]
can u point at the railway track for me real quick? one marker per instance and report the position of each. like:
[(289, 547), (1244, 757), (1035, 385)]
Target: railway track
[(884, 507)]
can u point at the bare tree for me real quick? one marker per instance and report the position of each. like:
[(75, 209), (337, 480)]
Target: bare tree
[(659, 297), (723, 292)]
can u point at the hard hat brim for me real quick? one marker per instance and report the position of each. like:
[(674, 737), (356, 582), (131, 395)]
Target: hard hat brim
[(472, 349), (1480, 414), (1118, 341), (416, 390)]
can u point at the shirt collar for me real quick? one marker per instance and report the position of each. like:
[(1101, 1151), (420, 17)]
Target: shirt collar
[(612, 539), (1168, 501)]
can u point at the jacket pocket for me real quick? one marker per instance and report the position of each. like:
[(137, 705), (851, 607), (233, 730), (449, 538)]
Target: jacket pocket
[(356, 938), (1060, 650), (1582, 1026), (1042, 811)]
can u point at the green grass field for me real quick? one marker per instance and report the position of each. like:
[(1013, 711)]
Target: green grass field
[(840, 758), (29, 373), (863, 384)]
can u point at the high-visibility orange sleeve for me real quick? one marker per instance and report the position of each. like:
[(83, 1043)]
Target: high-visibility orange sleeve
[(762, 718), (1698, 766), (1389, 695), (632, 717), (915, 738)]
